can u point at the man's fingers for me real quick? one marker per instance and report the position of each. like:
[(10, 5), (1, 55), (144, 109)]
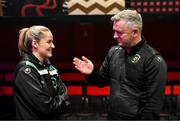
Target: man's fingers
[(85, 59), (77, 67), (76, 59)]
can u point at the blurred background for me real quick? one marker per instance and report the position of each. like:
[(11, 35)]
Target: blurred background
[(83, 27)]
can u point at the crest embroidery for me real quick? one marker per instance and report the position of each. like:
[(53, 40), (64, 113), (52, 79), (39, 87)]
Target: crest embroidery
[(135, 58)]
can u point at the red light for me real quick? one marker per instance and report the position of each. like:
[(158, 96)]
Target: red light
[(177, 3), (158, 3), (159, 6), (138, 3), (176, 10), (164, 10), (170, 3), (132, 3), (151, 9), (139, 9), (157, 9), (145, 3), (151, 3), (164, 3), (145, 10), (170, 10)]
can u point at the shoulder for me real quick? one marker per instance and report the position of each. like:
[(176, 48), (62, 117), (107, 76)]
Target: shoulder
[(154, 58), (151, 55), (149, 51), (114, 49), (24, 68)]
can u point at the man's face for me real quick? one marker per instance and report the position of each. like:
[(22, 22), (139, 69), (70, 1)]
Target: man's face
[(122, 33)]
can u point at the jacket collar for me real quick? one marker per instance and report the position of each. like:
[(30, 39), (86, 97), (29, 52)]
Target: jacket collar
[(139, 45), (35, 60)]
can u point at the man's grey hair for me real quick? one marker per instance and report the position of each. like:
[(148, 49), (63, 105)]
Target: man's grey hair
[(132, 17)]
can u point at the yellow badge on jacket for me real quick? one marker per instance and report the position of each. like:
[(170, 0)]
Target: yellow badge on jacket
[(135, 58)]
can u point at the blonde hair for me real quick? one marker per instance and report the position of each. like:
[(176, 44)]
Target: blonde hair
[(27, 35), (132, 17)]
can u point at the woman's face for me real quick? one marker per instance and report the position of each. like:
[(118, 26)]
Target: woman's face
[(45, 45)]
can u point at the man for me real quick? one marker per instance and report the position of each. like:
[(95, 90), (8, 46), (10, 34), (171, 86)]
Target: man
[(136, 71)]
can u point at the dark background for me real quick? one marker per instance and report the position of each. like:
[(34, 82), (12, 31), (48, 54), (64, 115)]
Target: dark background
[(88, 35), (82, 35)]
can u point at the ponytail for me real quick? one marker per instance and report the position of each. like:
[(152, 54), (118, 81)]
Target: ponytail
[(22, 38)]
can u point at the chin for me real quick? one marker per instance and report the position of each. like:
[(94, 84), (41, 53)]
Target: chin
[(50, 55), (120, 44)]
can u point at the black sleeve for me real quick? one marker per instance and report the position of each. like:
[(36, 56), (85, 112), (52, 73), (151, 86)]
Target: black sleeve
[(95, 78), (29, 88), (155, 81), (101, 77)]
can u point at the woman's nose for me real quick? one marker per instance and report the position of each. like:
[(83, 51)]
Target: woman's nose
[(115, 35)]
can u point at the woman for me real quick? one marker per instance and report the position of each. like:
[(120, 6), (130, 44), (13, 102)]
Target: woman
[(39, 93)]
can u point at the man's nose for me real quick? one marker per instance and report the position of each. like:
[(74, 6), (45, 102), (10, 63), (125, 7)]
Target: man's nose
[(52, 45)]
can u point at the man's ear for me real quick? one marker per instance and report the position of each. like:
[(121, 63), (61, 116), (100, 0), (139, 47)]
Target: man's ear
[(135, 32)]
